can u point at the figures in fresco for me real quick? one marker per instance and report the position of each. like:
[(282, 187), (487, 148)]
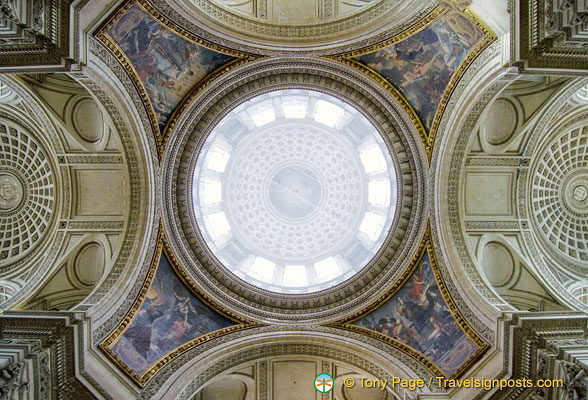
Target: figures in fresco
[(169, 317), (167, 64), (421, 66), (418, 316)]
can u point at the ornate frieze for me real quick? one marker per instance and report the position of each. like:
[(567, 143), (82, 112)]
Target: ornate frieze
[(548, 346), (44, 350), (39, 35), (549, 36)]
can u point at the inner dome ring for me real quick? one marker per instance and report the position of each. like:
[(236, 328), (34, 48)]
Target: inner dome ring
[(256, 182), (187, 141)]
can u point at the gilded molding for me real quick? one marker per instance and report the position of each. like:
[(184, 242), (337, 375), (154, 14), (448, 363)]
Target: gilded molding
[(259, 77), (426, 246), (106, 345), (102, 35), (427, 140)]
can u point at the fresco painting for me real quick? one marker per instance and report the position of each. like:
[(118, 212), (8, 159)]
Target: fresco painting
[(167, 64), (421, 66), (418, 316), (170, 316)]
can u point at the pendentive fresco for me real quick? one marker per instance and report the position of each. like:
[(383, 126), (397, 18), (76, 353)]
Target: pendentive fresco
[(299, 199), (421, 66), (169, 317), (418, 316), (167, 64)]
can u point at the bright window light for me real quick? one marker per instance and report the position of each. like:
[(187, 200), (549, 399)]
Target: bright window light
[(372, 225), (294, 107), (263, 269), (326, 269), (264, 117), (217, 159), (211, 192), (379, 192), (217, 224), (295, 275), (328, 113), (373, 159), (262, 113)]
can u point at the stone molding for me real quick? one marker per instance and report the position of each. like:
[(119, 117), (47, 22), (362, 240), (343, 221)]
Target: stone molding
[(244, 34), (36, 35), (142, 205), (268, 341), (549, 36), (452, 230), (542, 341), (49, 346), (33, 266), (240, 85)]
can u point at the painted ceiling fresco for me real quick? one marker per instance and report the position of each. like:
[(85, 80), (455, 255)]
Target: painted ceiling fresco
[(418, 316), (421, 66), (167, 64), (170, 316), (166, 67)]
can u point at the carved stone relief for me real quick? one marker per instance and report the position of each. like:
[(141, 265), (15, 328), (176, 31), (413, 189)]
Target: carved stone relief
[(36, 33), (547, 348), (551, 36), (42, 350), (197, 122)]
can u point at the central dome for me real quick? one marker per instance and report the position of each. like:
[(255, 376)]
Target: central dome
[(294, 191)]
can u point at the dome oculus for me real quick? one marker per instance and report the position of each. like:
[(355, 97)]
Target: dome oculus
[(294, 191)]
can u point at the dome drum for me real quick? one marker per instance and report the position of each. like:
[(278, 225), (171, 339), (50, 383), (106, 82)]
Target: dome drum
[(306, 180)]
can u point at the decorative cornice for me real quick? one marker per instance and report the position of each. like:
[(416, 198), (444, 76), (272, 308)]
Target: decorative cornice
[(36, 35), (49, 345), (263, 37), (163, 249), (549, 36), (240, 85), (540, 341)]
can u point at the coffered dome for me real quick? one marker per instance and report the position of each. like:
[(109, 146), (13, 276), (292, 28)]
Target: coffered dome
[(294, 191), (295, 195), (559, 195), (27, 195)]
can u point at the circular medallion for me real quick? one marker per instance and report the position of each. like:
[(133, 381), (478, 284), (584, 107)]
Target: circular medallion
[(575, 192), (580, 193), (11, 191), (295, 192)]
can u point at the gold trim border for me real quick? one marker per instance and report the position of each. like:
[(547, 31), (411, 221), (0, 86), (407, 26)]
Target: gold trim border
[(426, 246), (161, 137), (488, 37), (428, 140), (163, 248)]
